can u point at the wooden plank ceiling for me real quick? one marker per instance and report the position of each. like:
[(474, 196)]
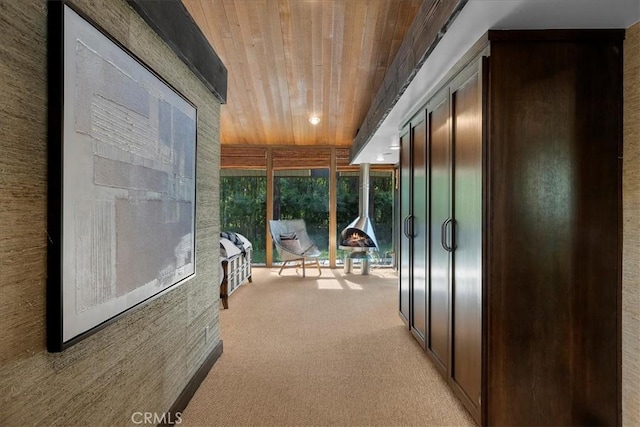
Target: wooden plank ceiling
[(290, 59)]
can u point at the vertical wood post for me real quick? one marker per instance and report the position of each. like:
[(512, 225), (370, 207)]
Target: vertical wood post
[(269, 240), (333, 203)]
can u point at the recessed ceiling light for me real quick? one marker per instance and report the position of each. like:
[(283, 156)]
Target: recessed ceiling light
[(314, 120), (380, 158), (395, 144)]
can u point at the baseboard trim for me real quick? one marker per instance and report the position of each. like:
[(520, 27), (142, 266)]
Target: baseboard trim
[(178, 407)]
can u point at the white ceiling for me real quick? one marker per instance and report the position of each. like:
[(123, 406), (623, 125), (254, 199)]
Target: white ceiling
[(477, 17)]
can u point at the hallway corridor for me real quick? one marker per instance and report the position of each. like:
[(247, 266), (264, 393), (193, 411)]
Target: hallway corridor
[(321, 351)]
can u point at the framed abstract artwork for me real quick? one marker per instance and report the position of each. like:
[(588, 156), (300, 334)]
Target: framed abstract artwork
[(122, 162)]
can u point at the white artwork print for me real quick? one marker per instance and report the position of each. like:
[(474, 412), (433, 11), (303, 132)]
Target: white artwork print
[(128, 176)]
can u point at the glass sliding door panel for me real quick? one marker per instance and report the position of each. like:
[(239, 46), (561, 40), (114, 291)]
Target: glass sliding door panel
[(304, 194), (243, 207)]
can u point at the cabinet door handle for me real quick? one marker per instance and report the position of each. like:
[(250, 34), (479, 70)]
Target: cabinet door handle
[(404, 227), (452, 245), (410, 228), (443, 232), (408, 222), (444, 235)]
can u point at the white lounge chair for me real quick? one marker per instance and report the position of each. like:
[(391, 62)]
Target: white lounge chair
[(293, 244)]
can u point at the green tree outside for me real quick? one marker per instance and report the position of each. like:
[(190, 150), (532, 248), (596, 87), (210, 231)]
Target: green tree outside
[(243, 207)]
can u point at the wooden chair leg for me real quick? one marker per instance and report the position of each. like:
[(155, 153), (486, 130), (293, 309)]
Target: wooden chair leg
[(303, 270), (283, 264), (318, 265)]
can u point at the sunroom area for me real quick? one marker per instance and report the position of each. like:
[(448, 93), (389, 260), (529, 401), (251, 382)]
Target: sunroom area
[(317, 185)]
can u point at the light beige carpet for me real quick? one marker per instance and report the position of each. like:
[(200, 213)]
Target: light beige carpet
[(319, 352)]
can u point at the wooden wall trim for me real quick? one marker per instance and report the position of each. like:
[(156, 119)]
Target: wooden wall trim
[(431, 23), (190, 389), (630, 329), (173, 23)]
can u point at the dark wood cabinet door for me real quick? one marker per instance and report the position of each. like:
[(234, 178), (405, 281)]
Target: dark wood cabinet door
[(406, 256), (466, 296), (440, 213), (523, 218), (553, 230), (419, 231)]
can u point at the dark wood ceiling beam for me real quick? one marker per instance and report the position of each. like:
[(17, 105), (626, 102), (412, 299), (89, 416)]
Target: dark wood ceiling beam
[(429, 26), (173, 23)]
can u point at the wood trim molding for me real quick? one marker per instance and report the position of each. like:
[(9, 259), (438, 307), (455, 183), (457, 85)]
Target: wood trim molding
[(173, 23), (598, 34), (431, 23), (175, 413)]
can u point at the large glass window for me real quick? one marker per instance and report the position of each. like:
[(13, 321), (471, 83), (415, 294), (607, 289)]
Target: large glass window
[(243, 207), (380, 211), (382, 214), (304, 194)]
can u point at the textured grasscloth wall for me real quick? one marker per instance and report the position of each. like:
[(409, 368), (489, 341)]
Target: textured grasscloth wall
[(631, 234), (143, 361)]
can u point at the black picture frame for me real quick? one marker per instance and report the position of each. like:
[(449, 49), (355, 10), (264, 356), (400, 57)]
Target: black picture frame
[(122, 180)]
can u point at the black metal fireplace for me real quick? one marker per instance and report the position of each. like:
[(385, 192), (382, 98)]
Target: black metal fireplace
[(359, 238)]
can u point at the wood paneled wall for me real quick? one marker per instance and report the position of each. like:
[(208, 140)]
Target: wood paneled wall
[(143, 361), (631, 232)]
